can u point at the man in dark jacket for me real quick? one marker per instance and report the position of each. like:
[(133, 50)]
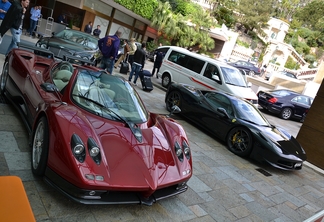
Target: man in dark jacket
[(157, 62), (109, 46), (14, 21), (138, 64)]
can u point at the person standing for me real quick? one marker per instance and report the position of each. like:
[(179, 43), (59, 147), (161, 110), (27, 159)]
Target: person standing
[(35, 13), (4, 7), (88, 28), (157, 62), (109, 48), (124, 54), (62, 19), (138, 64), (132, 50), (97, 31), (14, 21)]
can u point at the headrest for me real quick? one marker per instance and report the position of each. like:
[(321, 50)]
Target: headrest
[(63, 75)]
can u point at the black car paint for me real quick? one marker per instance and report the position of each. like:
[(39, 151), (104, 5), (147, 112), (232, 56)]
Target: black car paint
[(299, 109), (270, 142)]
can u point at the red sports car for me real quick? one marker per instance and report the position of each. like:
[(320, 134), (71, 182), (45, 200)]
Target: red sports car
[(90, 133)]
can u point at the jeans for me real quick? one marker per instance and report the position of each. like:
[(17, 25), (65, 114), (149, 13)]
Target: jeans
[(135, 68), (32, 27), (107, 63), (16, 33)]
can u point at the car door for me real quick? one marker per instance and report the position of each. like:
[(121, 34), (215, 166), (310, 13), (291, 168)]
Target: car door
[(212, 119), (301, 104)]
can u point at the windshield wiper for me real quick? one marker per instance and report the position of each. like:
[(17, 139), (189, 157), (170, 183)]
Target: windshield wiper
[(133, 127)]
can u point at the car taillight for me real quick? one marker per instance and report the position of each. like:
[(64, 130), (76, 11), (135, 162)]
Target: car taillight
[(273, 100)]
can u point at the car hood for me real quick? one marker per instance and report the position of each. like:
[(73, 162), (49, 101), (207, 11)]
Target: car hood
[(65, 44), (130, 163), (243, 92), (282, 140)]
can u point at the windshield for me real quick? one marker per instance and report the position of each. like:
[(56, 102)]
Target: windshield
[(79, 38), (233, 76), (249, 112), (116, 97)]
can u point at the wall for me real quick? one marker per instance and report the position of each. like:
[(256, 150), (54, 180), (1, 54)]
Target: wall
[(311, 133)]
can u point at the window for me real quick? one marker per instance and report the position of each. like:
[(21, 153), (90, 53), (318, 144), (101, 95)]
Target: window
[(186, 61)]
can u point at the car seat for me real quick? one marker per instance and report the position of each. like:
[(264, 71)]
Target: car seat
[(61, 78)]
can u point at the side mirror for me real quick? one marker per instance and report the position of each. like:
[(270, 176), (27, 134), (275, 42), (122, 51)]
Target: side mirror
[(174, 109), (223, 112), (215, 77), (49, 87)]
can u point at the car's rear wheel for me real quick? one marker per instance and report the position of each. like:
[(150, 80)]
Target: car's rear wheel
[(166, 80), (286, 113), (4, 78), (173, 98), (240, 141), (251, 73), (40, 147)]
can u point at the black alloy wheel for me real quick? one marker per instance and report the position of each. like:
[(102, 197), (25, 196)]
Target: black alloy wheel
[(240, 141)]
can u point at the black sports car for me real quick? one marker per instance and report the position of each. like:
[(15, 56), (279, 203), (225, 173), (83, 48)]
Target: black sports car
[(238, 122), (71, 42), (285, 103)]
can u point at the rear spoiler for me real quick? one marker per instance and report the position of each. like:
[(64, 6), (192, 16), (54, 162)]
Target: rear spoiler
[(37, 50)]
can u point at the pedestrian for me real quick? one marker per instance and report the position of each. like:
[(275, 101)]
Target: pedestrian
[(109, 46), (14, 21), (88, 28), (4, 7), (35, 14), (132, 50), (123, 56), (97, 31), (62, 19), (138, 64), (157, 62)]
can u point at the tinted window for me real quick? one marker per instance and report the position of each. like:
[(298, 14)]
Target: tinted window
[(186, 61), (281, 93)]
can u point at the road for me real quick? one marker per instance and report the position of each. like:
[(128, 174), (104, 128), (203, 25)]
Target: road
[(224, 187)]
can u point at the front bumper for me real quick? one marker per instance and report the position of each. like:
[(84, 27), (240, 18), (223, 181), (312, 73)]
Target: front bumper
[(109, 197)]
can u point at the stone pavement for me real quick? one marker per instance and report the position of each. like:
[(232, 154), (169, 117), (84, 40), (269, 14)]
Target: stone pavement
[(224, 187)]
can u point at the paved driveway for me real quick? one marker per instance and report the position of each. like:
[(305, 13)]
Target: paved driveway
[(224, 187)]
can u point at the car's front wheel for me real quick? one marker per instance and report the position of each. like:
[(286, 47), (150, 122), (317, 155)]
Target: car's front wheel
[(240, 141), (173, 98), (40, 147), (4, 77), (166, 80), (286, 113)]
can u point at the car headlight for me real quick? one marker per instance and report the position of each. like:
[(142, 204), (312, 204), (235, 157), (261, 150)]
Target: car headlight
[(78, 149), (186, 149), (178, 151), (94, 151)]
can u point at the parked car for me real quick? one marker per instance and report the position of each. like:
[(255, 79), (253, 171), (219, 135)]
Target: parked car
[(239, 123), (285, 103), (182, 66), (285, 73), (91, 136), (70, 42), (249, 67)]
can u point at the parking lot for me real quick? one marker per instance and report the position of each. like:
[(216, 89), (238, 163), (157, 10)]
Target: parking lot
[(224, 187)]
